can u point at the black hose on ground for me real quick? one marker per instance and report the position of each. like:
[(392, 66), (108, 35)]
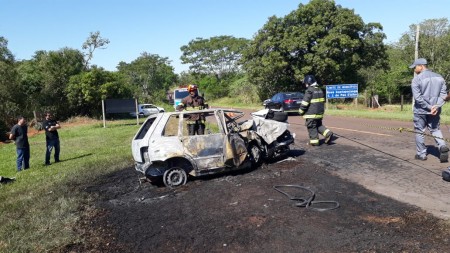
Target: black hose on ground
[(308, 201)]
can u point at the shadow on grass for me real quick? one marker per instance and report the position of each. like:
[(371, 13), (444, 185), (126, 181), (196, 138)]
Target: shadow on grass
[(77, 157)]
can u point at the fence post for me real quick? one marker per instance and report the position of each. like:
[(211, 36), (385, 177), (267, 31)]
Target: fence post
[(401, 103)]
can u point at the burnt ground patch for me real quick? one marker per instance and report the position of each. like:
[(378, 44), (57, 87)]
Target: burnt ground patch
[(243, 213)]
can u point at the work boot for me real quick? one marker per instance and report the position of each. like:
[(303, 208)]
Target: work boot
[(446, 174), (329, 137), (443, 157), (422, 158)]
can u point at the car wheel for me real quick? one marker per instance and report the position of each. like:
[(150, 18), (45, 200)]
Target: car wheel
[(174, 177)]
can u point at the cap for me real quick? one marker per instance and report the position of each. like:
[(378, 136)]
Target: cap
[(420, 61)]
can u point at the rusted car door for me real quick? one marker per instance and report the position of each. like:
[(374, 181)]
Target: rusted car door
[(218, 147), (206, 150), (235, 147)]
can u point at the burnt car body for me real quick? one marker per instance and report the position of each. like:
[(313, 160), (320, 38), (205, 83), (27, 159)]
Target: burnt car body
[(163, 149), (284, 101)]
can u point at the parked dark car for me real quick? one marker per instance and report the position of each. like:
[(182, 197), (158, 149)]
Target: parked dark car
[(284, 101)]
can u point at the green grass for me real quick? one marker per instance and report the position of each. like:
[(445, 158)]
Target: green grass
[(234, 103), (40, 209)]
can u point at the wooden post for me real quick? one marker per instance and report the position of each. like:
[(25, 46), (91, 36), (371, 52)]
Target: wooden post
[(401, 103)]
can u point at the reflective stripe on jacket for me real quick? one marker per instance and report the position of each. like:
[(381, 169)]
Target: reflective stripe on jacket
[(313, 103)]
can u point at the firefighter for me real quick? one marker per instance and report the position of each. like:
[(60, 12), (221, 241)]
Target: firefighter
[(312, 108), (195, 121)]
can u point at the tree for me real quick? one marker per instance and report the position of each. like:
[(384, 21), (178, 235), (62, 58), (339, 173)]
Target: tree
[(86, 90), (45, 77), (433, 45), (218, 56), (434, 42), (318, 38), (93, 42), (10, 99), (150, 75)]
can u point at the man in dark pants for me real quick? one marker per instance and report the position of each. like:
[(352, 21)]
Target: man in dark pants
[(195, 121), (312, 109), (51, 127), (20, 136)]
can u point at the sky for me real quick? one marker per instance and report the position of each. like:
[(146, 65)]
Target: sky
[(161, 27)]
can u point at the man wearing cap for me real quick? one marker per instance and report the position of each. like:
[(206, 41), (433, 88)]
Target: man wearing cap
[(429, 91)]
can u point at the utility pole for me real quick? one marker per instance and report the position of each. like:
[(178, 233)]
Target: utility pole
[(416, 53)]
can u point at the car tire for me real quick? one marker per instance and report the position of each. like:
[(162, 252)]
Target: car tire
[(175, 177)]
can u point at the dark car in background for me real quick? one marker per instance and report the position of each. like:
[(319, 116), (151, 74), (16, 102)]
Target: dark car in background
[(284, 101)]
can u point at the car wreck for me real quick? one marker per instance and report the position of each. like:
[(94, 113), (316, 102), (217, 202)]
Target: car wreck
[(162, 148)]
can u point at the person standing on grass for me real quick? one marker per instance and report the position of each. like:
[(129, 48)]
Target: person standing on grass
[(429, 91), (51, 127), (19, 133)]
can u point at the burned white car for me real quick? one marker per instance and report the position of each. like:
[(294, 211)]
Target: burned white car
[(163, 149)]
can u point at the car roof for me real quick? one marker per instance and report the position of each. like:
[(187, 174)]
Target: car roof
[(292, 93)]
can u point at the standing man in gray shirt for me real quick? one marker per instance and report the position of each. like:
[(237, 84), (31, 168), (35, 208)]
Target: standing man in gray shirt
[(429, 91)]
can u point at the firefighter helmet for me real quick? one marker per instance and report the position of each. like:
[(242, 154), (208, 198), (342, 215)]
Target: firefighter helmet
[(309, 79), (192, 87)]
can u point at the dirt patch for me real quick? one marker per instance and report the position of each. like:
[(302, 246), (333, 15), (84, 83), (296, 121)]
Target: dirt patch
[(242, 212)]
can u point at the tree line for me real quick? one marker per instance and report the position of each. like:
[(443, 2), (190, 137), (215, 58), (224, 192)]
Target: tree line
[(319, 38)]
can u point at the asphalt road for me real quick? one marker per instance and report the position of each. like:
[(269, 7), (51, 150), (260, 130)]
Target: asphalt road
[(375, 155)]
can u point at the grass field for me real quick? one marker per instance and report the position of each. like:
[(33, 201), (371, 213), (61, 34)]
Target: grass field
[(39, 210)]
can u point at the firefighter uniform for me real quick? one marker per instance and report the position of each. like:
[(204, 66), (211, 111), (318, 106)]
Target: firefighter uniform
[(195, 121), (312, 108)]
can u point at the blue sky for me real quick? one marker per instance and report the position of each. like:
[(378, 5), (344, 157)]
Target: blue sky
[(162, 26)]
